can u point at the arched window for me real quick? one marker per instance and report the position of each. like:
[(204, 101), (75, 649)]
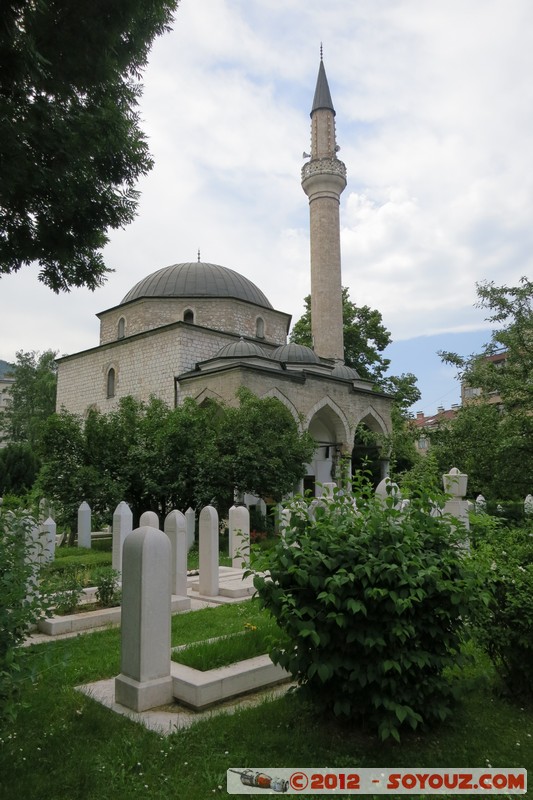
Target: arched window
[(188, 315), (121, 328), (111, 383), (260, 328)]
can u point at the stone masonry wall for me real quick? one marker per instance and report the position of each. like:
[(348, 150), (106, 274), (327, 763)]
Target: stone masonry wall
[(143, 366), (310, 397), (224, 314)]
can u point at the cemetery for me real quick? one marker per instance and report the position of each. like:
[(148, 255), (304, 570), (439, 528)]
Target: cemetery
[(142, 680), (147, 650)]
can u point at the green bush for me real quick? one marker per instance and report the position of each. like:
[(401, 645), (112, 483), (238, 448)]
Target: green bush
[(107, 587), (20, 606), (373, 602), (65, 588), (504, 627)]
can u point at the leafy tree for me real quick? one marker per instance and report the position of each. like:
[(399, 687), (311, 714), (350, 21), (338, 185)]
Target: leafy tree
[(493, 448), (157, 458), (512, 312), (71, 149), (365, 337), (471, 443), (33, 397), (260, 446), (493, 444), (18, 468), (63, 478)]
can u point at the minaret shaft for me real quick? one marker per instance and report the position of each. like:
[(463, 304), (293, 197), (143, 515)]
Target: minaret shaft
[(323, 180)]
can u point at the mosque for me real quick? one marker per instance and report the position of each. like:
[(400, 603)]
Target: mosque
[(201, 330)]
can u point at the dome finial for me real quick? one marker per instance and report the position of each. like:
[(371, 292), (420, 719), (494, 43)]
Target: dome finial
[(198, 255)]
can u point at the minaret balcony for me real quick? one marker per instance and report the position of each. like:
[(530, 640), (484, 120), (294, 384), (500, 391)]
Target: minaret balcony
[(324, 175), (333, 166)]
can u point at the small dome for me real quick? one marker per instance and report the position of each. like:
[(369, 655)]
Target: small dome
[(240, 349), (197, 279), (295, 354), (344, 372)]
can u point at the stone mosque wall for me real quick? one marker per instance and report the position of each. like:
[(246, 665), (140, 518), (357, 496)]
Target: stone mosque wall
[(224, 314), (143, 365)]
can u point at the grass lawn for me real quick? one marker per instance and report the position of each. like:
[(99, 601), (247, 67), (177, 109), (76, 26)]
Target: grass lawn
[(66, 747), (256, 639), (87, 562)]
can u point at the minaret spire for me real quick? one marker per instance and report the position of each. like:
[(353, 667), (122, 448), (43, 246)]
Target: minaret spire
[(323, 181)]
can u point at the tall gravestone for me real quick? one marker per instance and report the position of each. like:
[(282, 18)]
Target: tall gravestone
[(43, 509), (49, 540), (190, 516), (455, 484), (84, 525), (122, 527), (33, 556), (208, 556), (239, 536), (176, 529), (481, 504), (145, 680), (150, 519), (388, 491)]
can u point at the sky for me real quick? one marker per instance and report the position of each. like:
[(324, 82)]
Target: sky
[(434, 116)]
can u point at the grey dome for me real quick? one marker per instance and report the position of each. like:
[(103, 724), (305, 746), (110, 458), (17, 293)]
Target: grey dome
[(295, 354), (348, 373), (197, 279), (240, 349)]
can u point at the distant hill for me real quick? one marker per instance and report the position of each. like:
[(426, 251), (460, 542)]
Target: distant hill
[(5, 367)]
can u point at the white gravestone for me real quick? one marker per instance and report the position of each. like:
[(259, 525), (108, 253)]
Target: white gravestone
[(122, 527), (84, 525), (176, 530), (208, 555), (190, 516), (145, 680), (239, 532), (149, 519)]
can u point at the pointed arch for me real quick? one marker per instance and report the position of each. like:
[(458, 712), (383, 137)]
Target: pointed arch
[(206, 395), (373, 420), (371, 453), (327, 411), (275, 392)]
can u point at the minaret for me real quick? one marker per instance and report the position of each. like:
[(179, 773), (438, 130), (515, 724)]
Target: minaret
[(323, 180)]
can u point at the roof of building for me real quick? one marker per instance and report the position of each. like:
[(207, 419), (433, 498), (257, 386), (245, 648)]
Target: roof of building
[(295, 354), (347, 373), (197, 279), (322, 98), (442, 415), (240, 349)]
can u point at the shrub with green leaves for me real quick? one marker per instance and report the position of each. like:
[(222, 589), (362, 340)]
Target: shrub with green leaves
[(65, 588), (107, 587), (20, 605), (504, 626), (373, 601)]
